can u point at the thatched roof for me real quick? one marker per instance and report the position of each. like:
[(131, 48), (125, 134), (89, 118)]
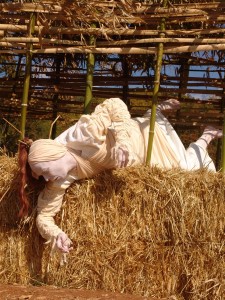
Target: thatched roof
[(126, 34)]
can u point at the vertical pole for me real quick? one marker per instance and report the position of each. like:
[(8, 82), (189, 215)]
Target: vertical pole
[(27, 77), (220, 161), (184, 74), (56, 94), (89, 77), (16, 73), (219, 154), (155, 90), (125, 66), (223, 148)]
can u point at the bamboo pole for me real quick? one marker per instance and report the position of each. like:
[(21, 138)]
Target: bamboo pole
[(9, 41), (89, 78), (176, 40), (155, 92), (110, 31), (119, 50), (27, 79)]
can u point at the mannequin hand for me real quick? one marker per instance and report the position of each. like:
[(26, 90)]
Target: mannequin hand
[(122, 157), (63, 243)]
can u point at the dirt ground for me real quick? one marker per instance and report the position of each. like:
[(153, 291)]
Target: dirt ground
[(19, 292)]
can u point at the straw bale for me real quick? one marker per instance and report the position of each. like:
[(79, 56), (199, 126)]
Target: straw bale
[(138, 230)]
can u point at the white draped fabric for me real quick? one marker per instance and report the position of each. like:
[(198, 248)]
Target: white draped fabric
[(96, 138)]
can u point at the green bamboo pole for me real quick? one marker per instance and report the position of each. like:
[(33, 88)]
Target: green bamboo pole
[(27, 77), (89, 77), (155, 91)]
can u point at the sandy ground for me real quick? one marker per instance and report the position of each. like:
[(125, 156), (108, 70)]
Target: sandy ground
[(19, 292)]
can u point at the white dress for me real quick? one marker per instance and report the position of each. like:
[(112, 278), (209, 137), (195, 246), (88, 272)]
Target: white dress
[(96, 138)]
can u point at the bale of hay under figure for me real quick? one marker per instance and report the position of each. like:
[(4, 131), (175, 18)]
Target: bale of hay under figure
[(138, 230)]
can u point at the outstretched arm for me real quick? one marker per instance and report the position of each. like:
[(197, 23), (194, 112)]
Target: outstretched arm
[(49, 204)]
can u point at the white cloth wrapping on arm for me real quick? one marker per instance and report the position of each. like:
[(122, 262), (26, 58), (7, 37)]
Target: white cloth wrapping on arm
[(91, 131), (49, 204)]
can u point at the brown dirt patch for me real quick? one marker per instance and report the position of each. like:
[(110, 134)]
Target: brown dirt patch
[(20, 292)]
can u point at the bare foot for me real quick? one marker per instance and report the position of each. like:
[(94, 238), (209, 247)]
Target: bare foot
[(170, 104), (209, 134), (213, 132)]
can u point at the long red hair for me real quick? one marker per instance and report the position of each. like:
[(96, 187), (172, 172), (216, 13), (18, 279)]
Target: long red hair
[(25, 172)]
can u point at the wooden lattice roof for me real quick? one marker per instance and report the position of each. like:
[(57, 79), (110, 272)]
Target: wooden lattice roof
[(126, 34)]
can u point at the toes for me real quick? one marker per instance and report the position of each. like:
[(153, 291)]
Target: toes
[(217, 133)]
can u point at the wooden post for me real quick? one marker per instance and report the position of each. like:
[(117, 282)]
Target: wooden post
[(89, 78), (16, 74), (184, 74), (126, 74), (219, 154), (220, 158), (55, 99), (223, 148), (155, 91), (26, 84)]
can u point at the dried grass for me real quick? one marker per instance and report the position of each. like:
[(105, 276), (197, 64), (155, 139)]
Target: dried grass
[(139, 230)]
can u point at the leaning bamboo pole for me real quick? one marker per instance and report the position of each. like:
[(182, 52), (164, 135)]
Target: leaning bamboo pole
[(89, 78), (155, 91), (27, 79)]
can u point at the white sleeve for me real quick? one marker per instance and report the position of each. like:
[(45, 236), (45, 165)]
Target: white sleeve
[(49, 204), (88, 134)]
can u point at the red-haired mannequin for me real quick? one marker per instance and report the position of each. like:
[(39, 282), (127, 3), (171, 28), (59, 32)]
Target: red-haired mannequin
[(106, 139)]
